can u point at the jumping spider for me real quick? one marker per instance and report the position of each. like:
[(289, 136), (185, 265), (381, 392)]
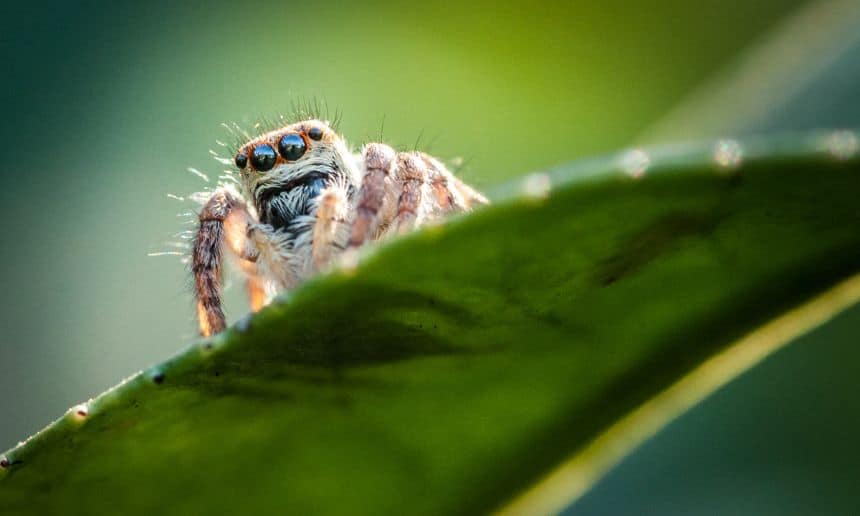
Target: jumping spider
[(306, 198)]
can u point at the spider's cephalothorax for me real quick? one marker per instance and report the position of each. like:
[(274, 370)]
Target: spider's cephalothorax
[(305, 199)]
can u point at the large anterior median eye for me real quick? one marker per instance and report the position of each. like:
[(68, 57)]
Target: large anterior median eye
[(263, 158), (291, 147)]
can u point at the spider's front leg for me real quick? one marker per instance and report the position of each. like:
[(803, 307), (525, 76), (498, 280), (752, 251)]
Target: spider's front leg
[(224, 222), (255, 287), (332, 212)]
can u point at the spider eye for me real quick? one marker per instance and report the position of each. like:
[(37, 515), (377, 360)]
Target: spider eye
[(315, 133), (263, 157), (241, 160), (291, 147)]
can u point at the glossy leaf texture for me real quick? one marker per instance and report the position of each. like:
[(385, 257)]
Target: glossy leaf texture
[(452, 369)]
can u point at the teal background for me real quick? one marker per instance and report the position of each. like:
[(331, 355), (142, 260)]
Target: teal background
[(106, 104)]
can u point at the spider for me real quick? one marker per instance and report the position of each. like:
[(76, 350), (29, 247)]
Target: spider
[(305, 199)]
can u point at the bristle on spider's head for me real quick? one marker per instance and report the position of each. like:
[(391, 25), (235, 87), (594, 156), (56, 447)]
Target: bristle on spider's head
[(301, 109)]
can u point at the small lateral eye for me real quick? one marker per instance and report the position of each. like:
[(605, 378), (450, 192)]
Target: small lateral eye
[(315, 133), (263, 157), (241, 160), (292, 147)]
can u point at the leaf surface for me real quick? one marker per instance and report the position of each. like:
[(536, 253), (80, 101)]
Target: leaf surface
[(452, 369)]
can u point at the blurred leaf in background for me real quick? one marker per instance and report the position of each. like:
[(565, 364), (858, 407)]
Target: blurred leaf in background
[(782, 438)]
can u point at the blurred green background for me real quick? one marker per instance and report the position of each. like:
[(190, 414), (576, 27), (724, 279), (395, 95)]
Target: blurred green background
[(105, 106)]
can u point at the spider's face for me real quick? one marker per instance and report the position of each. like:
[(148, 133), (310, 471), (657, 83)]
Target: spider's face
[(284, 170), (284, 152)]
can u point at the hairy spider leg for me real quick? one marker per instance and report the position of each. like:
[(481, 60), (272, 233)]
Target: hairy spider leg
[(378, 160), (331, 220), (412, 174), (224, 222)]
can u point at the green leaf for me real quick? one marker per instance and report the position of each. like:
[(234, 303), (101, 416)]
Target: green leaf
[(453, 369)]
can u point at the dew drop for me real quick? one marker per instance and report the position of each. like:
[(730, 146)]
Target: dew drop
[(81, 410), (728, 154), (635, 162), (537, 186), (4, 462), (843, 145)]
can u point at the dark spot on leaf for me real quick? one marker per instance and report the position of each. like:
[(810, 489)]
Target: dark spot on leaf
[(369, 326), (158, 378), (327, 336), (651, 242), (5, 463)]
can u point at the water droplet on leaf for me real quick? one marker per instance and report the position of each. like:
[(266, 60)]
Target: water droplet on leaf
[(81, 410), (537, 186), (635, 162), (842, 145), (728, 154)]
